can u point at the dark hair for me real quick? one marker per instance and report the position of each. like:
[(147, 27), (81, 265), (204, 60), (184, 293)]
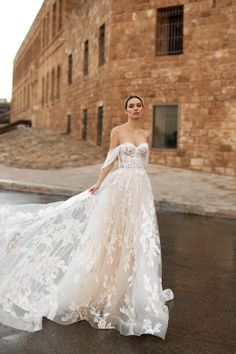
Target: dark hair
[(130, 97)]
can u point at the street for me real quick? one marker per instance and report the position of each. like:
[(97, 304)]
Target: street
[(198, 264)]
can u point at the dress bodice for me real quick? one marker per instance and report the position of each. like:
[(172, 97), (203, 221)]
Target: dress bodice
[(131, 156)]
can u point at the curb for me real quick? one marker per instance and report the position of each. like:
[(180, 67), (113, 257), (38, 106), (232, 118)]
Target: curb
[(161, 205), (37, 188)]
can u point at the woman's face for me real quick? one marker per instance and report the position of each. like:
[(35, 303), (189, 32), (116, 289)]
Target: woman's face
[(134, 108)]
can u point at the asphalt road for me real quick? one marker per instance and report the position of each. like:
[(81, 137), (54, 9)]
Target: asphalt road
[(198, 255)]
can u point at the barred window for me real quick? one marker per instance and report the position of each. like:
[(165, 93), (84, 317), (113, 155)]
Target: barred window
[(99, 125), (169, 30), (86, 57), (101, 55), (84, 124), (165, 126)]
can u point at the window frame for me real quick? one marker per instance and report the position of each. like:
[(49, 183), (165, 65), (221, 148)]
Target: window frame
[(158, 51), (177, 125)]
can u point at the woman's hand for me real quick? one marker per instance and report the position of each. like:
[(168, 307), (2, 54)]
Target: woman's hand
[(94, 188)]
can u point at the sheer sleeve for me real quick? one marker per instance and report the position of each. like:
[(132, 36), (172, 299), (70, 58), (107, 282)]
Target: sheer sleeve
[(111, 157)]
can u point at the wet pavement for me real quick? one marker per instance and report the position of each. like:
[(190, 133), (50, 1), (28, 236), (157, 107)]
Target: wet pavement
[(198, 256), (11, 197)]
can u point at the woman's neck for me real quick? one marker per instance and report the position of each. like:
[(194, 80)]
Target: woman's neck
[(133, 124)]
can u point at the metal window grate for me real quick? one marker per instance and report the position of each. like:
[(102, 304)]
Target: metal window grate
[(165, 126), (169, 31)]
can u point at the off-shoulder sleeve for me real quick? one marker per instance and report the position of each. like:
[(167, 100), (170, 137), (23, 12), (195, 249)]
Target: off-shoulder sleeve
[(111, 157)]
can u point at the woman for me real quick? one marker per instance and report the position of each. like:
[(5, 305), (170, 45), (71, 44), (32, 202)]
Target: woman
[(95, 256)]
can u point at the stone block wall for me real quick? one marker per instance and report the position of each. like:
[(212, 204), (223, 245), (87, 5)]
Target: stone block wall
[(201, 80)]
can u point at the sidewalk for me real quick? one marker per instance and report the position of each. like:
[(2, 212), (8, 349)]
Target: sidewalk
[(174, 189)]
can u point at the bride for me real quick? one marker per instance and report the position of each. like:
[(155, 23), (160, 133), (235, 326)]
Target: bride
[(95, 256)]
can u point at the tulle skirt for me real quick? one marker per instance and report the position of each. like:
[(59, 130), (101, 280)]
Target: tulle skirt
[(94, 256)]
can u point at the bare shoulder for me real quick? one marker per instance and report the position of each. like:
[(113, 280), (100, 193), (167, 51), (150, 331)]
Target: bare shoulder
[(114, 137), (119, 128), (147, 134)]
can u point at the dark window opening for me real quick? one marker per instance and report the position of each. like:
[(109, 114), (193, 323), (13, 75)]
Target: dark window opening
[(47, 27), (54, 19), (84, 124), (70, 68), (99, 125), (68, 127), (60, 15), (43, 91), (47, 88), (44, 33), (165, 126), (101, 58), (58, 81), (169, 31), (86, 57), (53, 84)]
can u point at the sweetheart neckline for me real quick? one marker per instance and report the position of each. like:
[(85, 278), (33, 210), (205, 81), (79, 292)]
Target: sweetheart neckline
[(136, 146)]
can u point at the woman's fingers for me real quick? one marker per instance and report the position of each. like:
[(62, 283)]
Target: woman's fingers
[(94, 188)]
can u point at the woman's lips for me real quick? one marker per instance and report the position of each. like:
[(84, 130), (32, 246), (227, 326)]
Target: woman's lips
[(136, 112)]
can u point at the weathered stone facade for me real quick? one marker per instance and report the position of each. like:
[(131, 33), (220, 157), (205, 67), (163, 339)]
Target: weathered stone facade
[(50, 86)]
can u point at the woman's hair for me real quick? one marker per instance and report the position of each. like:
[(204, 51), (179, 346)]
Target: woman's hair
[(130, 97)]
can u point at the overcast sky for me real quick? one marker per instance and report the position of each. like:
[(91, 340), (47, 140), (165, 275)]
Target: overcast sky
[(16, 17)]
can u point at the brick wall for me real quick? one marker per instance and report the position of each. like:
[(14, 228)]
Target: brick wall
[(201, 80)]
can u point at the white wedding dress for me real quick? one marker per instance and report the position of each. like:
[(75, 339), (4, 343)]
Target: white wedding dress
[(94, 256)]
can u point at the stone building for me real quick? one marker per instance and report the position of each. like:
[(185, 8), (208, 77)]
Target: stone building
[(80, 59)]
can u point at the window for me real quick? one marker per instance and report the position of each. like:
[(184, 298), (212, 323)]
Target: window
[(70, 68), (28, 96), (169, 31), (54, 19), (84, 124), (99, 125), (47, 88), (44, 33), (53, 84), (86, 55), (60, 15), (47, 27), (68, 128), (165, 126), (43, 90), (101, 58), (58, 81)]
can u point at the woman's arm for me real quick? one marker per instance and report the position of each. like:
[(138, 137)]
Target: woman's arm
[(114, 141)]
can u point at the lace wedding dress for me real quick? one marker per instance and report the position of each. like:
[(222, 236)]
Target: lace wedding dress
[(94, 256)]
